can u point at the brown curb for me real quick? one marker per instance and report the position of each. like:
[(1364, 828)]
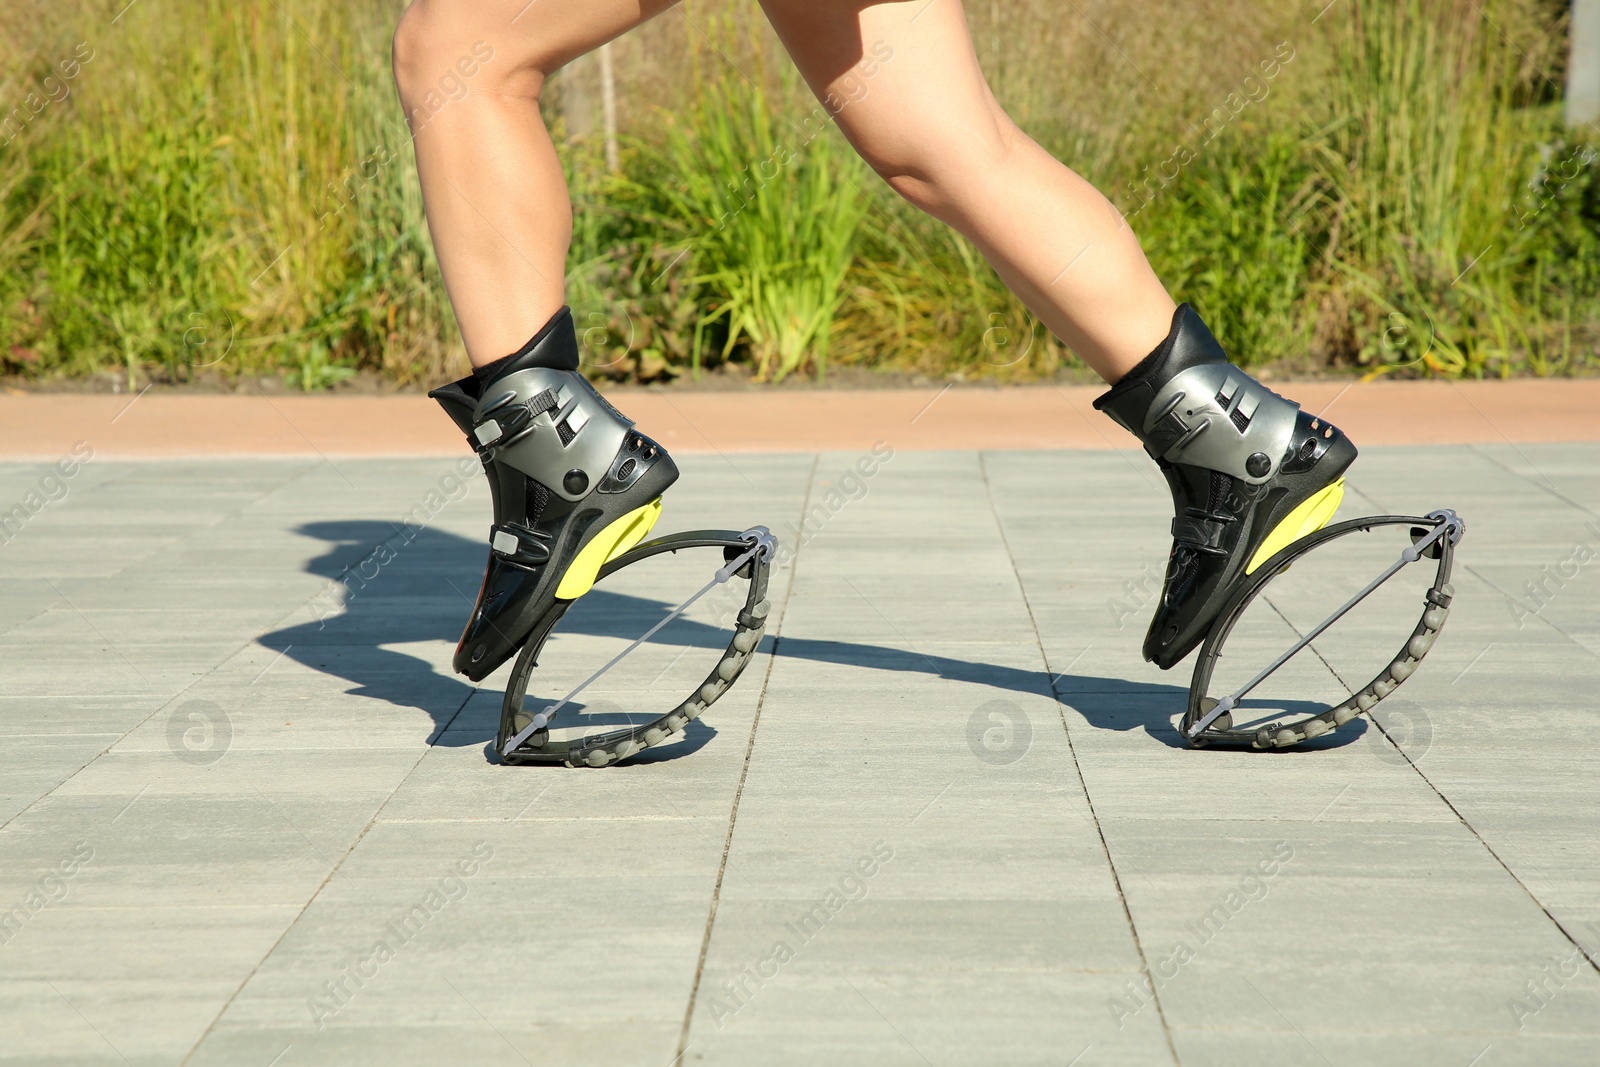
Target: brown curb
[(177, 425)]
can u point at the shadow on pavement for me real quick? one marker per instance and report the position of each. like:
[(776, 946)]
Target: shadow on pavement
[(425, 586)]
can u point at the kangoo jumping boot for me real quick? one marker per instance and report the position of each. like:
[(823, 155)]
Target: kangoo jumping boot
[(1250, 473), (573, 485)]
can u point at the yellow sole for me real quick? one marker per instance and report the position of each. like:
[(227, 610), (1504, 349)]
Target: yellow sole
[(610, 543), (1311, 516)]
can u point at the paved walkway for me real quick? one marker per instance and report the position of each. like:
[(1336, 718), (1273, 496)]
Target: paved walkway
[(248, 817)]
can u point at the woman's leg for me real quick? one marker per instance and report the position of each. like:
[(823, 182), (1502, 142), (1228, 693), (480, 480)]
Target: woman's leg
[(469, 74), (925, 120), (573, 484), (1249, 472)]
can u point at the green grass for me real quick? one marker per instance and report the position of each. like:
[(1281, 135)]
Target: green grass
[(775, 215), (228, 190), (1429, 162)]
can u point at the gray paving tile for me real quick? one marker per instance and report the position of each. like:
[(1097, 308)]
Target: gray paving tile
[(271, 761)]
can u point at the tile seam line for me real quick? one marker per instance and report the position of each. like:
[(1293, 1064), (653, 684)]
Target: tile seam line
[(1105, 846), (744, 771), (169, 700), (1588, 956), (24, 622), (1310, 645), (1484, 578), (1575, 643), (372, 821), (1546, 485), (122, 473), (1473, 830)]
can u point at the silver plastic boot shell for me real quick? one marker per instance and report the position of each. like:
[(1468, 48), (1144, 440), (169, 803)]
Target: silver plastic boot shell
[(1226, 421), (542, 450)]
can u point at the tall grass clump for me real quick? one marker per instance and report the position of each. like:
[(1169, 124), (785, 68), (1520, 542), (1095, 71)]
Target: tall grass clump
[(630, 280), (770, 208), (1431, 158), (226, 190), (1238, 239)]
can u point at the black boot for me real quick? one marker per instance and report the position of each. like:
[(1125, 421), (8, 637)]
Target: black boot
[(573, 484), (1249, 471)]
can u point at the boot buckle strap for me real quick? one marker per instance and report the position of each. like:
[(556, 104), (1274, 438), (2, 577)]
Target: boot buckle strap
[(517, 544), (1201, 533), (504, 420), (487, 433), (1170, 434)]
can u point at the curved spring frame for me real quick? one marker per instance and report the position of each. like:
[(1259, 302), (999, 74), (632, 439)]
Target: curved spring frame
[(524, 737), (1210, 721)]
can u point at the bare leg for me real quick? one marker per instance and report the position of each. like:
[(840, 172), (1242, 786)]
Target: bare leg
[(1248, 471), (906, 90), (469, 74)]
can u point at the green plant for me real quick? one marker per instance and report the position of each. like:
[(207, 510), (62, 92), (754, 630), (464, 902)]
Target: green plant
[(317, 370), (772, 217), (1233, 238), (214, 174), (1427, 153)]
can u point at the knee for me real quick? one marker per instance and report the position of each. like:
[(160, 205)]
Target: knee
[(413, 56), (442, 52), (940, 174), (922, 184)]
